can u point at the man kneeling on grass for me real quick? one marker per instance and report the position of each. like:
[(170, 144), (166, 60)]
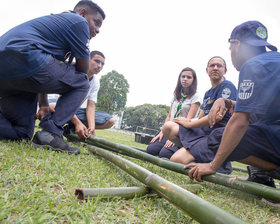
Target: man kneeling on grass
[(32, 62)]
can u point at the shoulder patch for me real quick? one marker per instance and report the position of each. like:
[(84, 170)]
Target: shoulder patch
[(226, 93), (246, 89)]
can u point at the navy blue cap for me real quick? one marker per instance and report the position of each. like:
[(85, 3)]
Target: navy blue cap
[(253, 33)]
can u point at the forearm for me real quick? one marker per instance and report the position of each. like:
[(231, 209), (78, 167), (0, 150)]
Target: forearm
[(90, 114), (232, 135), (193, 110), (202, 122), (75, 120)]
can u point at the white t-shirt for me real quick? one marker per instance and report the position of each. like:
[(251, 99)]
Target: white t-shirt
[(93, 91), (186, 105)]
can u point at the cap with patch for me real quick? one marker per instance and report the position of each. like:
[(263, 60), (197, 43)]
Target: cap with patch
[(253, 33)]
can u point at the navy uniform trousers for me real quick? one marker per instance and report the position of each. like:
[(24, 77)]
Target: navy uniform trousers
[(18, 100)]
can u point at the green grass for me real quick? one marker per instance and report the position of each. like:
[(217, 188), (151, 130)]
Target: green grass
[(37, 186)]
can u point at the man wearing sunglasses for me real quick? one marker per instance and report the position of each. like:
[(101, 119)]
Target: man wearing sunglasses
[(258, 143)]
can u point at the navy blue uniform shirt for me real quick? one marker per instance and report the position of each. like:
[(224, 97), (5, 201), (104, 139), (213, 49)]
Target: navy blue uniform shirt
[(259, 92), (226, 89), (27, 48)]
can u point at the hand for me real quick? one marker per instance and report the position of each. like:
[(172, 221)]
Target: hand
[(91, 131), (81, 130), (217, 112), (199, 169), (183, 121), (42, 111), (169, 144), (159, 137)]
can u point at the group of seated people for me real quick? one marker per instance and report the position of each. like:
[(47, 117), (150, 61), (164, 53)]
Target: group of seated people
[(186, 130)]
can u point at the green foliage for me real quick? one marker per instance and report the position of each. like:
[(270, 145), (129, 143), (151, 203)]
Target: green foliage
[(112, 95), (146, 115)]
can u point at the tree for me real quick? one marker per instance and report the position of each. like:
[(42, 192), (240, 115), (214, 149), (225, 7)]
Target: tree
[(112, 95), (146, 115)]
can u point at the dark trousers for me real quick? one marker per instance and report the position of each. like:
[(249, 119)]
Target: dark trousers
[(18, 100), (157, 149)]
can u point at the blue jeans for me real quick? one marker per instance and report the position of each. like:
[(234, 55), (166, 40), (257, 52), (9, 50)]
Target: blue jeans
[(100, 117), (18, 100)]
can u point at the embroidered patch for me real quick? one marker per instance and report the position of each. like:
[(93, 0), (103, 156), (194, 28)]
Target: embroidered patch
[(226, 93), (245, 89), (261, 32)]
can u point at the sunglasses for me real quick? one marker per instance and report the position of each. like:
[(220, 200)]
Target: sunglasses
[(212, 65), (232, 40)]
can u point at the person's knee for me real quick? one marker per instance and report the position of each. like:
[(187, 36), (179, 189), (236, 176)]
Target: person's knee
[(15, 136), (167, 129), (165, 153), (176, 158), (109, 123), (152, 149), (182, 156)]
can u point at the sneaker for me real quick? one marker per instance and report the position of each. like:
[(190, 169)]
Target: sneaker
[(53, 141), (260, 176), (274, 173)]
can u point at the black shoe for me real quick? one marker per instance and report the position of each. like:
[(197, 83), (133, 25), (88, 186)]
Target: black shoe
[(260, 176), (53, 141), (68, 130), (274, 173)]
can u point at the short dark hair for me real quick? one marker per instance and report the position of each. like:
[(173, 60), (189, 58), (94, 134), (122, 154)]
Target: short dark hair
[(96, 52), (192, 88), (89, 5)]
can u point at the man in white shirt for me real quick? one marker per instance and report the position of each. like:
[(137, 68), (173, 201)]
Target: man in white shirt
[(87, 119)]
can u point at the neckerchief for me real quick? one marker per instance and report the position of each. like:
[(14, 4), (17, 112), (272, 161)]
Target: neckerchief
[(179, 107)]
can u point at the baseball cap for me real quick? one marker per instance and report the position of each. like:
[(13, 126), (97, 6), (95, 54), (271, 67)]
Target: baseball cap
[(253, 33)]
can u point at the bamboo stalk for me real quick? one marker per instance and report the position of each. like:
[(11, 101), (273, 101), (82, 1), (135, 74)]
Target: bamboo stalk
[(197, 208), (236, 168), (240, 169), (234, 182), (123, 192), (126, 192)]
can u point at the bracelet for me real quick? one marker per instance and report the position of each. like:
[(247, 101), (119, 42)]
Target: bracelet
[(229, 105), (211, 165)]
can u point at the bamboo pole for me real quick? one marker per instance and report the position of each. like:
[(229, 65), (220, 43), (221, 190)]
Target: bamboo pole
[(236, 168), (240, 169), (126, 192), (197, 208), (123, 192), (234, 182)]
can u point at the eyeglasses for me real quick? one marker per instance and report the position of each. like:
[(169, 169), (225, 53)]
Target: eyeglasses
[(213, 65), (232, 40)]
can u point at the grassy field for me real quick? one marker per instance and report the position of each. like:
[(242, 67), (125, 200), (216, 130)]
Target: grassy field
[(37, 186)]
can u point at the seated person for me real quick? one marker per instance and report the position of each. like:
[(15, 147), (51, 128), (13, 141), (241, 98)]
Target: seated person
[(185, 103), (190, 132), (256, 144)]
